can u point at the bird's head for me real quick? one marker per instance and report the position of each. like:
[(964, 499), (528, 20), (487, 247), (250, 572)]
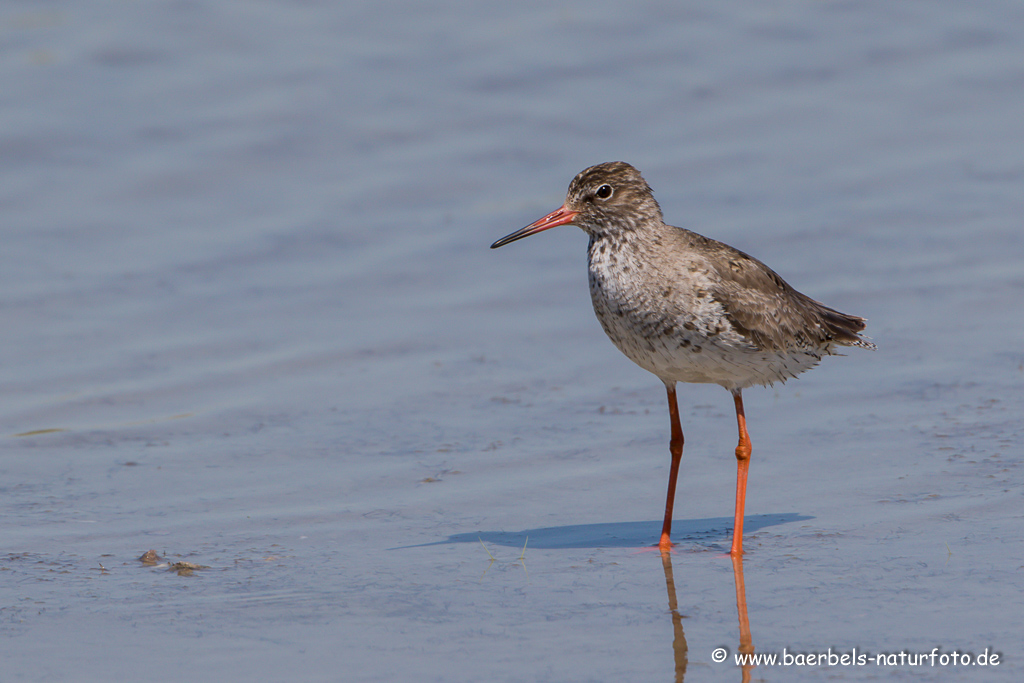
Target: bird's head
[(603, 200)]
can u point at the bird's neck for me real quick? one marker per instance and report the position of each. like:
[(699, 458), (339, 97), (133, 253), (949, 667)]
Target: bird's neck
[(614, 259)]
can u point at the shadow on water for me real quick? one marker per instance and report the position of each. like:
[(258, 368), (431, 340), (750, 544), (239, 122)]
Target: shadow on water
[(711, 530)]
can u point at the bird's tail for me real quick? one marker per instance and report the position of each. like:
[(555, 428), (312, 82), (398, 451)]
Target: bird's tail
[(845, 329)]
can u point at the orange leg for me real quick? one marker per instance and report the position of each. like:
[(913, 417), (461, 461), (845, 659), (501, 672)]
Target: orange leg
[(675, 446), (742, 464)]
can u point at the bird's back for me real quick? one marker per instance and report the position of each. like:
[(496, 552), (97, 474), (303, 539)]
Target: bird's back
[(692, 309)]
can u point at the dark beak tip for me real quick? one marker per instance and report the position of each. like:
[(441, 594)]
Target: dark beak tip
[(508, 239)]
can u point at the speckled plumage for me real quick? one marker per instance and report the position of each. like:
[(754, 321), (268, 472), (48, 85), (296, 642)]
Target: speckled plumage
[(689, 308)]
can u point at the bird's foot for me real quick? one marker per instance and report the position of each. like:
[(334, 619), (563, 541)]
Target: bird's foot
[(665, 545)]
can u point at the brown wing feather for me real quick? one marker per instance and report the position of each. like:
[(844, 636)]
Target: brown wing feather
[(767, 310)]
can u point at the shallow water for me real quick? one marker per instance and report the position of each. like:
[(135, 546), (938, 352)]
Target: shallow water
[(251, 322)]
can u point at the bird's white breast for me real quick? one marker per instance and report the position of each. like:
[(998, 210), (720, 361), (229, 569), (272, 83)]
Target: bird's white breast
[(669, 324)]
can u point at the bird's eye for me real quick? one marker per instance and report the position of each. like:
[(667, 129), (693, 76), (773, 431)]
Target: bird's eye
[(604, 192)]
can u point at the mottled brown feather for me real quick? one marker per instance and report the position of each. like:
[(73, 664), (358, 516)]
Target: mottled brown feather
[(766, 309)]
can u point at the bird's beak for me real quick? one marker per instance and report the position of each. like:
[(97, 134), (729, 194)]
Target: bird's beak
[(562, 216)]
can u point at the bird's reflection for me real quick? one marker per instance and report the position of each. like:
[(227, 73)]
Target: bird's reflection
[(746, 642), (680, 651)]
